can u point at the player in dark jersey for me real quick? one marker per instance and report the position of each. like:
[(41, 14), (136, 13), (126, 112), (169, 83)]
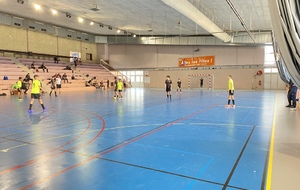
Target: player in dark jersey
[(115, 88), (201, 82), (168, 85), (178, 85), (52, 83)]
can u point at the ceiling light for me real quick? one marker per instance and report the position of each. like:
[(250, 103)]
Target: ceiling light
[(134, 35), (95, 8), (91, 23), (54, 12), (80, 19), (37, 7), (118, 31), (20, 1), (68, 15)]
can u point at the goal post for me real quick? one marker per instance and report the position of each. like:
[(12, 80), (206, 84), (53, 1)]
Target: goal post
[(207, 79)]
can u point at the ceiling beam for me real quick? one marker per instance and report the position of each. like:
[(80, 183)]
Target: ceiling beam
[(191, 12)]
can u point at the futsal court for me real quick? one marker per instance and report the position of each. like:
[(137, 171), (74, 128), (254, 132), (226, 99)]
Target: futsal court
[(87, 140)]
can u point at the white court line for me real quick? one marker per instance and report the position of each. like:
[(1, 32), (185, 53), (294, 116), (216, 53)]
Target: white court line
[(218, 124), (62, 136), (237, 106)]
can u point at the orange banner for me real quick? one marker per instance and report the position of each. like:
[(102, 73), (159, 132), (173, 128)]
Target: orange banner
[(196, 61)]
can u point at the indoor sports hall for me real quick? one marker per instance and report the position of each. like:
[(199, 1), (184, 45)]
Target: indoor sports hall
[(145, 141), (138, 94)]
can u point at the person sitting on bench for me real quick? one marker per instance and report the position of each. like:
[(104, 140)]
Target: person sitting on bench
[(32, 66), (43, 67), (14, 88)]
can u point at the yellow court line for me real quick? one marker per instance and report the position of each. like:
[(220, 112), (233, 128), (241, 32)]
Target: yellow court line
[(270, 163)]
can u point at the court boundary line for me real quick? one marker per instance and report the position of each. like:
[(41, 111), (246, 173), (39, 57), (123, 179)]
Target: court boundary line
[(170, 173), (45, 157), (115, 147), (238, 159), (267, 177), (44, 140)]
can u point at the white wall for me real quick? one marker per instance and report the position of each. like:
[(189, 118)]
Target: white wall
[(155, 56)]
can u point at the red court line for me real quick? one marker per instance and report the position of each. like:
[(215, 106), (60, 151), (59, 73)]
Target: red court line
[(114, 148), (45, 156)]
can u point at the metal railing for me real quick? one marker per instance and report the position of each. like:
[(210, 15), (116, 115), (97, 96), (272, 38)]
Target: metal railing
[(115, 72)]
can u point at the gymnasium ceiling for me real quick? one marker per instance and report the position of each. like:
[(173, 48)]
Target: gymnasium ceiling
[(143, 17)]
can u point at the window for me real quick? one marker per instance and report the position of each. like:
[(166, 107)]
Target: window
[(139, 79), (134, 76), (269, 55), (268, 70), (89, 56), (270, 59), (139, 72)]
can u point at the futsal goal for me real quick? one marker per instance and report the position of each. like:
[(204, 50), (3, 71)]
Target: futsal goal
[(196, 81)]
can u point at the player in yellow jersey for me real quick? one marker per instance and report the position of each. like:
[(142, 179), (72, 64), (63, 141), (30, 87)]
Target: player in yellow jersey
[(120, 88), (231, 91), (19, 83), (35, 93)]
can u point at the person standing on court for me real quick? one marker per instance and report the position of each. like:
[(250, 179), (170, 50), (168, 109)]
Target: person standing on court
[(178, 85), (35, 93), (201, 82), (107, 83), (230, 91), (58, 82), (52, 82), (292, 95), (120, 88), (168, 85), (115, 88), (20, 88)]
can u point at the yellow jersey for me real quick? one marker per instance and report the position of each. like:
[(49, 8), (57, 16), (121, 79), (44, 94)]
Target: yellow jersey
[(120, 85), (230, 84), (36, 86), (19, 84)]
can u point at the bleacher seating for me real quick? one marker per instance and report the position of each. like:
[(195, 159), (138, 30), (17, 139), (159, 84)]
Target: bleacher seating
[(14, 71)]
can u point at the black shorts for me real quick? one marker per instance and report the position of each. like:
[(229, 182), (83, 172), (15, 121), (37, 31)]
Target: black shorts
[(120, 90), (168, 89), (35, 96), (19, 90), (58, 86), (231, 92)]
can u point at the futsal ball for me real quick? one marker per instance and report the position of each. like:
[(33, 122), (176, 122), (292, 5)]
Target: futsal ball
[(115, 98)]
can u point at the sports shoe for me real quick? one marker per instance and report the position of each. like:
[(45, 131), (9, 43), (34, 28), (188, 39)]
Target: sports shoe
[(288, 106), (45, 109), (29, 111)]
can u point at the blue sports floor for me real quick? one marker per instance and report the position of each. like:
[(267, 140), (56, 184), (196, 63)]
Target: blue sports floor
[(90, 141)]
